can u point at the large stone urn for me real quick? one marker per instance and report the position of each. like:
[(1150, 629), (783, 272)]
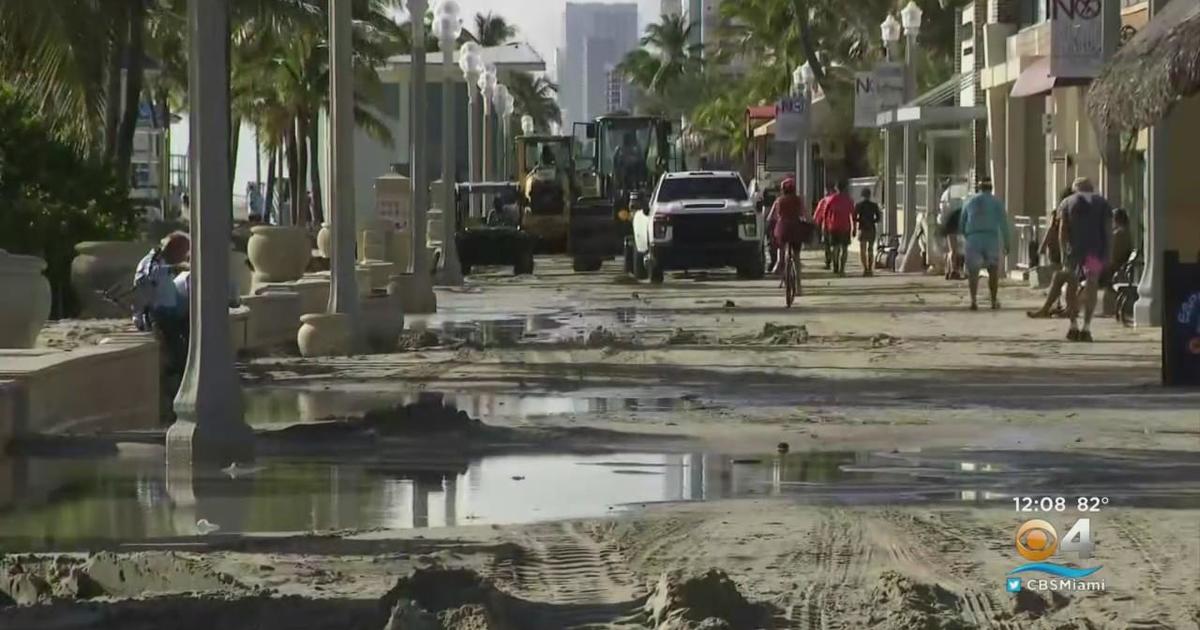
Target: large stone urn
[(102, 266), (277, 253), (324, 241), (24, 299), (323, 335)]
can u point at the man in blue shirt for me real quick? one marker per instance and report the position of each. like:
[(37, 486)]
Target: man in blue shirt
[(986, 230)]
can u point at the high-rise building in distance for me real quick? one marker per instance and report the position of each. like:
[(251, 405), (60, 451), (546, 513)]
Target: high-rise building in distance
[(595, 37)]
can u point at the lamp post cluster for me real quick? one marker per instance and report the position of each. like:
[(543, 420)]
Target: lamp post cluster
[(891, 29), (449, 25), (803, 82)]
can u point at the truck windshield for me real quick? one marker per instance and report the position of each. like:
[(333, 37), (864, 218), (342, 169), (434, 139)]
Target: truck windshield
[(679, 189)]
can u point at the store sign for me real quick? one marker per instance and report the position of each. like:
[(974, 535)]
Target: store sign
[(877, 91), (793, 116), (1076, 38)]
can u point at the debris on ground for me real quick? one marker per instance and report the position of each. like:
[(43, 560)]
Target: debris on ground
[(682, 337), (600, 337), (411, 340), (429, 414), (883, 340), (911, 604), (782, 335), (709, 600), (730, 304), (437, 598)]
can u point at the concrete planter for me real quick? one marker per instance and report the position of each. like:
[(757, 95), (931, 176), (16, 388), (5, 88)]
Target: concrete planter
[(415, 293), (382, 321), (278, 254), (24, 300), (324, 241), (323, 335), (379, 273), (100, 266)]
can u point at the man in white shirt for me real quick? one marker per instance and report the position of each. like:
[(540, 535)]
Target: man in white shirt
[(158, 303)]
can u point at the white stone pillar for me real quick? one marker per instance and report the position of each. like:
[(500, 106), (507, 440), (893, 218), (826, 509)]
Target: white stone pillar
[(1147, 311), (343, 292), (210, 426), (420, 167), (476, 123)]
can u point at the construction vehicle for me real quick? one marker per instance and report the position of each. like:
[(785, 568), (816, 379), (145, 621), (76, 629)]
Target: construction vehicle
[(546, 177), (628, 154)]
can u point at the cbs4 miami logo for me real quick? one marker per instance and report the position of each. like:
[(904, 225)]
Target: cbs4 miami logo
[(1038, 541)]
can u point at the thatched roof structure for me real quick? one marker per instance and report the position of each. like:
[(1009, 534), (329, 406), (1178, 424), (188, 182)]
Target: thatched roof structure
[(1151, 72)]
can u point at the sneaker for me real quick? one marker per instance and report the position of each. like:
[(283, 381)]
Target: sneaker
[(1073, 334), (995, 305), (974, 306), (1085, 336), (1038, 314)]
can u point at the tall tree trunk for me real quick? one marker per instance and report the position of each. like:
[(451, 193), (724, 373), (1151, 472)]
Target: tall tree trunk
[(135, 58), (112, 92), (270, 197), (806, 41), (235, 136), (293, 170), (302, 168), (314, 161)]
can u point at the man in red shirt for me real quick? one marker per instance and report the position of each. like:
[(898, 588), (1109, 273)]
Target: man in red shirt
[(819, 216), (839, 223)]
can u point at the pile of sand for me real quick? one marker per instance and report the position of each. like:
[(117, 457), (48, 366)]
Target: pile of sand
[(412, 340), (448, 599), (684, 337), (912, 605), (29, 580), (707, 601)]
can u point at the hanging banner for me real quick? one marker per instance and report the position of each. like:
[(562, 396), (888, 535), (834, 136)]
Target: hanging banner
[(792, 118), (1076, 38)]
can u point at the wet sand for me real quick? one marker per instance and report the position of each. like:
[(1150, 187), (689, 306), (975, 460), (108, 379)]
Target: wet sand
[(887, 364)]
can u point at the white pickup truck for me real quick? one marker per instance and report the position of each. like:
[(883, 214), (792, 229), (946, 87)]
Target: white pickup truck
[(697, 220)]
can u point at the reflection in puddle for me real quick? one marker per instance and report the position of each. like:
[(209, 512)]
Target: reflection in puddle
[(47, 503), (280, 405)]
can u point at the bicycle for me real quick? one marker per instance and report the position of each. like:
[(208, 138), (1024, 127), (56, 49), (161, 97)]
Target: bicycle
[(791, 274)]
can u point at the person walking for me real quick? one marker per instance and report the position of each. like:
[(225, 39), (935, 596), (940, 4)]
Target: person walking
[(819, 216), (986, 229), (839, 225), (1052, 250), (1085, 232), (950, 224), (866, 217)]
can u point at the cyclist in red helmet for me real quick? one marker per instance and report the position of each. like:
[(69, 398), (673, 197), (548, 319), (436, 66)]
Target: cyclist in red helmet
[(788, 218)]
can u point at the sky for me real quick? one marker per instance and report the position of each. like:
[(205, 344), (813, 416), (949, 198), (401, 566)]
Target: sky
[(540, 22)]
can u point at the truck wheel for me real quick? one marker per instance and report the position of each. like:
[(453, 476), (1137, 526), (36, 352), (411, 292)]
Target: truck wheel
[(524, 266), (655, 271), (586, 264), (639, 266), (754, 268)]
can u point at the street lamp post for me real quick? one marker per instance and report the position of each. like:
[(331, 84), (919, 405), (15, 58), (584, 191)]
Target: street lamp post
[(803, 80), (910, 17), (890, 32), (449, 27), (471, 64), (487, 88), (419, 168), (501, 101), (210, 425), (343, 292)]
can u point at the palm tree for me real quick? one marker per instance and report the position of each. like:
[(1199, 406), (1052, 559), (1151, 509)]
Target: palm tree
[(666, 63), (535, 97), (492, 30)]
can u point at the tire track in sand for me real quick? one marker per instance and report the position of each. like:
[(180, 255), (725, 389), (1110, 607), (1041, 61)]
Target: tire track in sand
[(838, 553), (571, 580)]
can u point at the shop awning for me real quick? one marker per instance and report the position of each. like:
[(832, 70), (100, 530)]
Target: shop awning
[(1036, 80)]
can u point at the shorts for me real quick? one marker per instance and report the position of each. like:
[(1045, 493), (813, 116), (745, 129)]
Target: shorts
[(795, 233), (1090, 267), (867, 234), (982, 253), (838, 239)]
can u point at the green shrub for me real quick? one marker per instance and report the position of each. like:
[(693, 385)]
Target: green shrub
[(51, 197)]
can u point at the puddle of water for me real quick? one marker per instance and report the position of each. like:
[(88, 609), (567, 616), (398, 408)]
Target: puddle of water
[(267, 406), (61, 503)]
